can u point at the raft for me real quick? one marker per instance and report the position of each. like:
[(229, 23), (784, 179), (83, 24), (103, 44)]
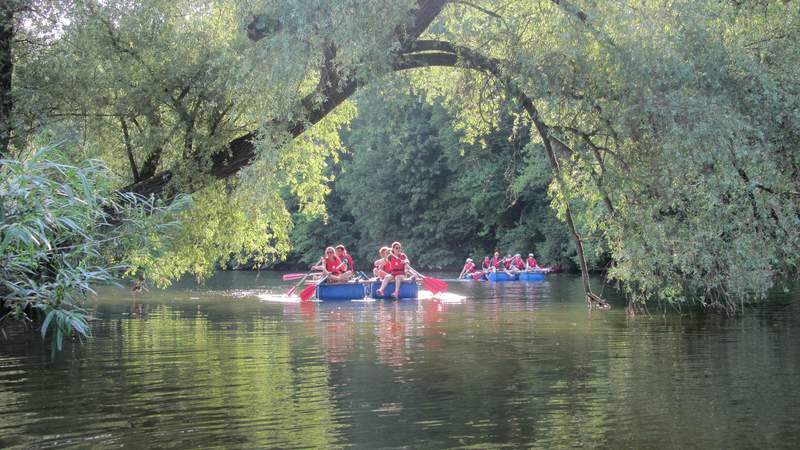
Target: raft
[(408, 289), (500, 276), (531, 276), (340, 291)]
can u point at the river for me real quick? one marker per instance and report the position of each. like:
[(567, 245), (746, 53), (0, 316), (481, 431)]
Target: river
[(230, 365)]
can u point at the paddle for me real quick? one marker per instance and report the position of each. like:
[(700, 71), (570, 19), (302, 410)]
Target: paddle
[(291, 291), (293, 276), (308, 292), (434, 285)]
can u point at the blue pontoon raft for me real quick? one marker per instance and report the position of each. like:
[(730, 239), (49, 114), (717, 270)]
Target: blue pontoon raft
[(357, 290)]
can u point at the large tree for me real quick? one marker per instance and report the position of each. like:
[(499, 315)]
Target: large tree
[(671, 129)]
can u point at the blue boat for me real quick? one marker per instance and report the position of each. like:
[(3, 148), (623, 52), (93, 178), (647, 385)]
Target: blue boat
[(340, 291), (501, 276), (408, 289), (531, 276)]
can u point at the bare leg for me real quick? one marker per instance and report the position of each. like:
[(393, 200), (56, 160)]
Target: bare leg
[(397, 280), (384, 283)]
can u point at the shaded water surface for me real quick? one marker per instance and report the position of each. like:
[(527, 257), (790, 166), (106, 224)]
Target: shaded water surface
[(518, 364)]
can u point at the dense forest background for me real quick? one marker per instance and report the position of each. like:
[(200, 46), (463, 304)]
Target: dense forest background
[(408, 175)]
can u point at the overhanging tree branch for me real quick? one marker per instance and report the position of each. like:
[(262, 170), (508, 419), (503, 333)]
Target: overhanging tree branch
[(413, 54), (241, 151)]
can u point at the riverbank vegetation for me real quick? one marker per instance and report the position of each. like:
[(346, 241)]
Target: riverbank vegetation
[(670, 131)]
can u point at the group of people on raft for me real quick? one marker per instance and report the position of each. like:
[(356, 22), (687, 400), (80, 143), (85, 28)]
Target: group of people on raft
[(392, 266), (509, 264)]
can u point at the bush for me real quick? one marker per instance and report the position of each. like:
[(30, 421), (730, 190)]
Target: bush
[(63, 229)]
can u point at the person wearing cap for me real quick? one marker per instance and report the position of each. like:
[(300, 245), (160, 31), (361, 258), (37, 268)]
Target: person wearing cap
[(469, 267), (531, 263)]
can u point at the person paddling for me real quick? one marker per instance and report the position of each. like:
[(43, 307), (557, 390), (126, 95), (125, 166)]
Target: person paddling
[(396, 266), (333, 267), (468, 268), (345, 257), (500, 264), (497, 262), (487, 265)]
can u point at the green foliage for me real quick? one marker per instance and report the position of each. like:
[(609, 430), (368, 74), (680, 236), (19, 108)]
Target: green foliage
[(676, 128), (410, 177), (675, 124), (62, 230)]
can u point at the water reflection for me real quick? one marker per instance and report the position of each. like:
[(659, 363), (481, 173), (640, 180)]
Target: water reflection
[(515, 364)]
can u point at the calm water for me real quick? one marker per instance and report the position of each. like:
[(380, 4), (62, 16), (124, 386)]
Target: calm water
[(521, 365)]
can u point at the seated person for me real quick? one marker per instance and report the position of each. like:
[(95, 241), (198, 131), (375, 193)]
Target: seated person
[(332, 267), (396, 262), (345, 257), (379, 264), (468, 269), (517, 264), (487, 265), (530, 263)]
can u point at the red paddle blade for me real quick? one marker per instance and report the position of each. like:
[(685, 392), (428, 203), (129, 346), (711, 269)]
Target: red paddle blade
[(308, 292), (293, 276), (434, 285)]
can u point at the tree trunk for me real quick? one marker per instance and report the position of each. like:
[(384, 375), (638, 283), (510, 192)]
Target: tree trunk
[(6, 72)]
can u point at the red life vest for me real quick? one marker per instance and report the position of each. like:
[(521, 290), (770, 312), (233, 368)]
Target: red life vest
[(519, 264), (496, 262), (396, 265), (350, 262), (507, 264), (486, 264), (531, 261), (469, 267), (332, 265)]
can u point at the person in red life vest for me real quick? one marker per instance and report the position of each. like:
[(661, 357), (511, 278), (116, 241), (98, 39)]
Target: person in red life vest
[(531, 263), (341, 252), (333, 267), (469, 267), (487, 265), (517, 264), (396, 262), (497, 262), (507, 261), (378, 265)]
